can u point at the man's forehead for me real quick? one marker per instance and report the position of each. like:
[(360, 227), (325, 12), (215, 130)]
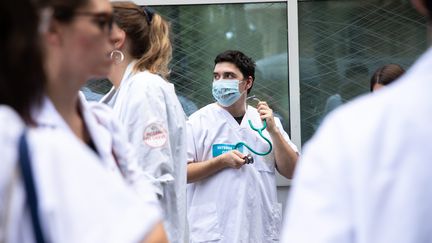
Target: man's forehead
[(224, 67)]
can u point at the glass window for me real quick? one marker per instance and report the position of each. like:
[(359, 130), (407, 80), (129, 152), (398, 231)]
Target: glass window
[(202, 31), (341, 44)]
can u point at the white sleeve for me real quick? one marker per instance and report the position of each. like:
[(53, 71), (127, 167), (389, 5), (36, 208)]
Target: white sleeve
[(140, 180), (147, 124), (285, 135), (319, 207), (191, 148)]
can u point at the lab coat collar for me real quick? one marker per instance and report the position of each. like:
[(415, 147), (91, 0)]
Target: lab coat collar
[(111, 97), (48, 116), (230, 119), (128, 73)]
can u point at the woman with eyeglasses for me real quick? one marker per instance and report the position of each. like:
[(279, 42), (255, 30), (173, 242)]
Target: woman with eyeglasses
[(53, 187), (146, 103), (77, 48)]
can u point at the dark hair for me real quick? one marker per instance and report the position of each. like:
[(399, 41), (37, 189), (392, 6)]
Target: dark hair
[(63, 10), (22, 77), (149, 36), (429, 7), (244, 63), (386, 75)]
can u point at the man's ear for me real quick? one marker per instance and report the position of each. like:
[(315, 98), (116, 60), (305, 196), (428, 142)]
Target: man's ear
[(420, 6), (250, 81)]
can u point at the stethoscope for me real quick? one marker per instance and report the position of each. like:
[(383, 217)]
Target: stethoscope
[(249, 159)]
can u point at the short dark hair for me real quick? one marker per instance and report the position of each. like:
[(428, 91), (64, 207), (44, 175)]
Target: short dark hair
[(429, 7), (245, 64), (22, 77), (386, 74)]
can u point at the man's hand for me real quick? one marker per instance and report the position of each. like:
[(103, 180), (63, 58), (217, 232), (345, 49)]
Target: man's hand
[(267, 114), (233, 159), (198, 171)]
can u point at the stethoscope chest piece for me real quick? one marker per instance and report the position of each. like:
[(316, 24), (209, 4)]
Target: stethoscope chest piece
[(249, 159)]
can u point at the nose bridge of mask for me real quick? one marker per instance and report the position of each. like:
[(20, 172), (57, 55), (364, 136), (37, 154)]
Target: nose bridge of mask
[(226, 86)]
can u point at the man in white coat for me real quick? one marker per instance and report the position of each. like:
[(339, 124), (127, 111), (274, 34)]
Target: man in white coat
[(368, 180), (228, 200)]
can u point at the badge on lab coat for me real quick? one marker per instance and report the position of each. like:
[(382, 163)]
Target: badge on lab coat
[(155, 135), (219, 149)]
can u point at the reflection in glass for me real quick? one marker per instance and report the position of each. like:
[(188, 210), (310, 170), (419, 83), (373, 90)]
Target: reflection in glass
[(200, 32), (341, 44)]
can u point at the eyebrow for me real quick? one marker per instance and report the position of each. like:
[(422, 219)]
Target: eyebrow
[(225, 73)]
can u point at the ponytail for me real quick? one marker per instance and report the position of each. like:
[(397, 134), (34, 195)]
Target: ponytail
[(158, 54), (148, 34)]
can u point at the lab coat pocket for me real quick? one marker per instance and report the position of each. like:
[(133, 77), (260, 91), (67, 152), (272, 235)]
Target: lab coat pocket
[(272, 230), (265, 163), (204, 225)]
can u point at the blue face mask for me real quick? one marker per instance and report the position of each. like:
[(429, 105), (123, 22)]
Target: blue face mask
[(226, 91)]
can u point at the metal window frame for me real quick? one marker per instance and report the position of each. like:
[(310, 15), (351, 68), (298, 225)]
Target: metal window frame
[(293, 52)]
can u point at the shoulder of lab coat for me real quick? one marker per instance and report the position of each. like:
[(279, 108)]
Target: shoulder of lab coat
[(368, 159), (10, 130), (147, 103), (79, 200), (125, 154), (195, 121)]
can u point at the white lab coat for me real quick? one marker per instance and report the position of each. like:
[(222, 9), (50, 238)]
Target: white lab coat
[(148, 107), (365, 176), (109, 138), (234, 205), (79, 200)]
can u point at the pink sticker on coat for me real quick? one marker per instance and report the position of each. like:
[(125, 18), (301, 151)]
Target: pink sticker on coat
[(155, 135)]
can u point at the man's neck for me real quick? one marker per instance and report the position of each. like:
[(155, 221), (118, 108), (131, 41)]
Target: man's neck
[(237, 109)]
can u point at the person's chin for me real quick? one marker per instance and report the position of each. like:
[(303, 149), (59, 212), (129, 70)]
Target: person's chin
[(102, 74), (103, 71)]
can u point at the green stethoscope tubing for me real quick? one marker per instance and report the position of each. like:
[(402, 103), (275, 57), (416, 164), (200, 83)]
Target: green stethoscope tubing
[(259, 130)]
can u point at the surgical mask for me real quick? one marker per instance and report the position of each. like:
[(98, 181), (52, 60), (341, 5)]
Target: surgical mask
[(226, 91)]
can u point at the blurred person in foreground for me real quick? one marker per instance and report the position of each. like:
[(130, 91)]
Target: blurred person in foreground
[(53, 187), (368, 180)]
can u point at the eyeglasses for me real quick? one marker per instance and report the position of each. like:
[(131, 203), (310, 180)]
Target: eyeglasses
[(104, 21)]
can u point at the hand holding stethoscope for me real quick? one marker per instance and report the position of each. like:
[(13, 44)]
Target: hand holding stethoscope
[(266, 115)]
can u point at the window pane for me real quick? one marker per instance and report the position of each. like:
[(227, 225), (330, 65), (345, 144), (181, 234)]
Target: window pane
[(200, 32), (343, 42), (203, 31)]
